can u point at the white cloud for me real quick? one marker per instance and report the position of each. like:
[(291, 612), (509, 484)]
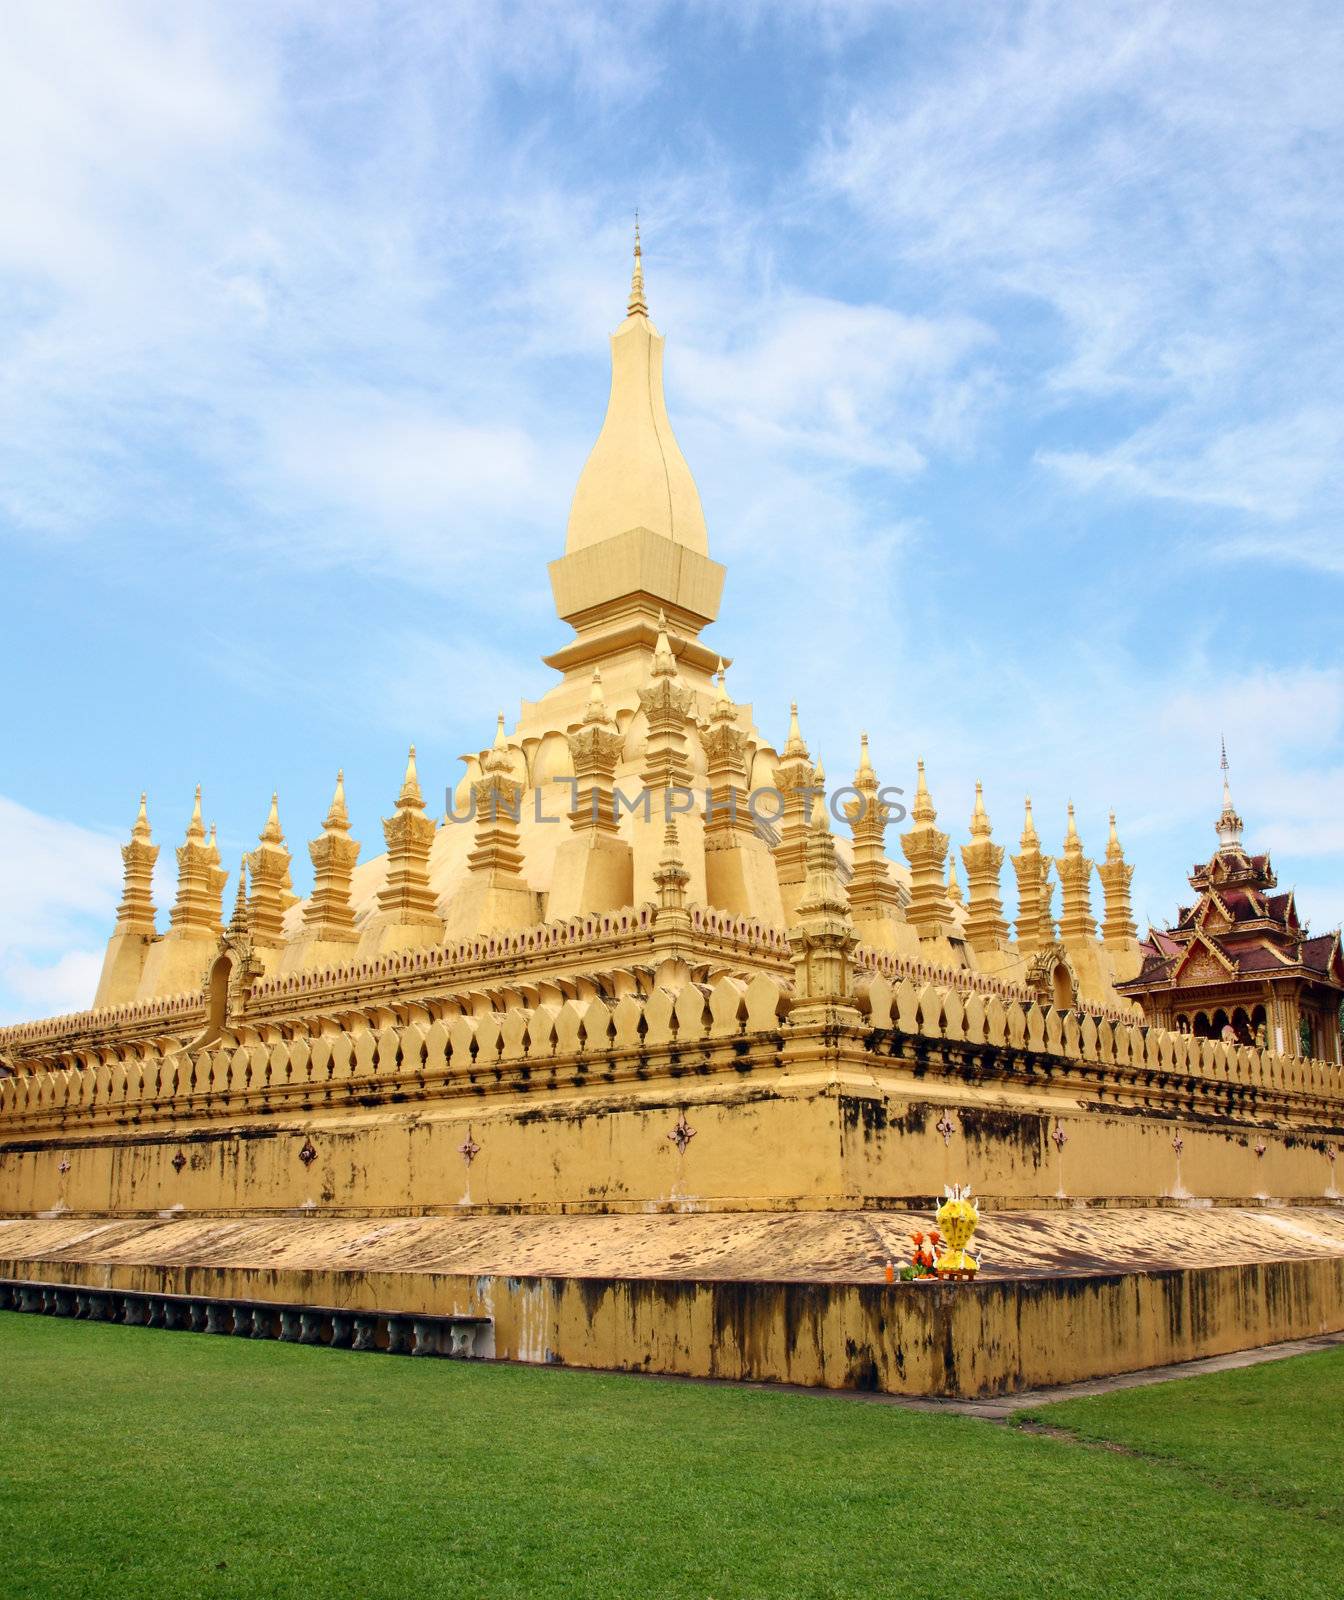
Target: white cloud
[(59, 887)]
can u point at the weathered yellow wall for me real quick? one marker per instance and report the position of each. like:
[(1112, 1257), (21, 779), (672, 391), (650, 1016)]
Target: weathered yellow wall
[(952, 1339)]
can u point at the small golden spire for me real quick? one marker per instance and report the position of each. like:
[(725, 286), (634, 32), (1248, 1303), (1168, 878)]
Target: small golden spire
[(597, 701), (271, 833), (338, 818), (1114, 849), (1071, 839), (664, 662), (410, 785), (794, 747), (194, 828), (214, 842), (638, 306), (140, 828), (953, 886), (818, 818), (980, 828), (1030, 838), (922, 810), (239, 922), (865, 774), (724, 709)]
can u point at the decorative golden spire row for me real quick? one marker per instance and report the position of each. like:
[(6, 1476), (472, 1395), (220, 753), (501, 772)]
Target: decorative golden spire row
[(1076, 922), (637, 305), (272, 884), (197, 909), (330, 913), (1116, 874), (925, 848), (871, 890), (135, 914), (406, 899), (986, 929)]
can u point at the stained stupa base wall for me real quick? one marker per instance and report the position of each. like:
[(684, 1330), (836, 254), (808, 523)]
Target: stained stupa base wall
[(997, 1335)]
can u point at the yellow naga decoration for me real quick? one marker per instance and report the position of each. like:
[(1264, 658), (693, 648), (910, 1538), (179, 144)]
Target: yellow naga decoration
[(957, 1219)]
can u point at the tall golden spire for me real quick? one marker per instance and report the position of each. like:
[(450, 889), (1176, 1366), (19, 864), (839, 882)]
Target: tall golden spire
[(329, 913), (638, 306), (983, 859), (136, 911), (200, 881), (1117, 926), (1076, 922), (1035, 925), (406, 898), (872, 894), (410, 795), (925, 848), (271, 882)]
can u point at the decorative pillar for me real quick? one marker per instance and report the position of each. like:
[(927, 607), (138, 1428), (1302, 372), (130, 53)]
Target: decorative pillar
[(986, 931), (177, 963)]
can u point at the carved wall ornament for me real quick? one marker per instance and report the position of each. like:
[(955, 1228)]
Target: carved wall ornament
[(682, 1134), (308, 1154), (946, 1127)]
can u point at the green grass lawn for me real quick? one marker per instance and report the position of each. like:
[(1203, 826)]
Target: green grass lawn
[(142, 1462)]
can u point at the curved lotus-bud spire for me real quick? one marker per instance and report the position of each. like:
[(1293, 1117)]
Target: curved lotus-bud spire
[(980, 826), (953, 885), (271, 833), (637, 306), (338, 818), (410, 785), (214, 841), (140, 827), (1071, 839), (670, 875), (724, 709), (817, 815), (636, 476), (1030, 838), (795, 749), (497, 757)]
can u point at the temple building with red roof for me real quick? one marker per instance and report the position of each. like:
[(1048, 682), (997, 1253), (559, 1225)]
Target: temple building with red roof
[(1239, 963)]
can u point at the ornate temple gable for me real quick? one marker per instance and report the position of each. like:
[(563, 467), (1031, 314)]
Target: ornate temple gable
[(1203, 962)]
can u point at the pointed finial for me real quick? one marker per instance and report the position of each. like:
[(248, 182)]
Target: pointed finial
[(953, 886), (865, 771), (1030, 837), (194, 828), (819, 818), (724, 708), (922, 811), (794, 747), (980, 828), (1114, 852), (271, 833), (637, 306), (410, 785), (664, 662), (140, 827), (240, 899), (597, 701), (1071, 833), (500, 742), (338, 818)]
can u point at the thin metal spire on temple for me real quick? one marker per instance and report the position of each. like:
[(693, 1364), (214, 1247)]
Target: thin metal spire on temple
[(638, 306)]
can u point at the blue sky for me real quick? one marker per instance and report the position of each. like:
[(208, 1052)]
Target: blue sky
[(1004, 341)]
